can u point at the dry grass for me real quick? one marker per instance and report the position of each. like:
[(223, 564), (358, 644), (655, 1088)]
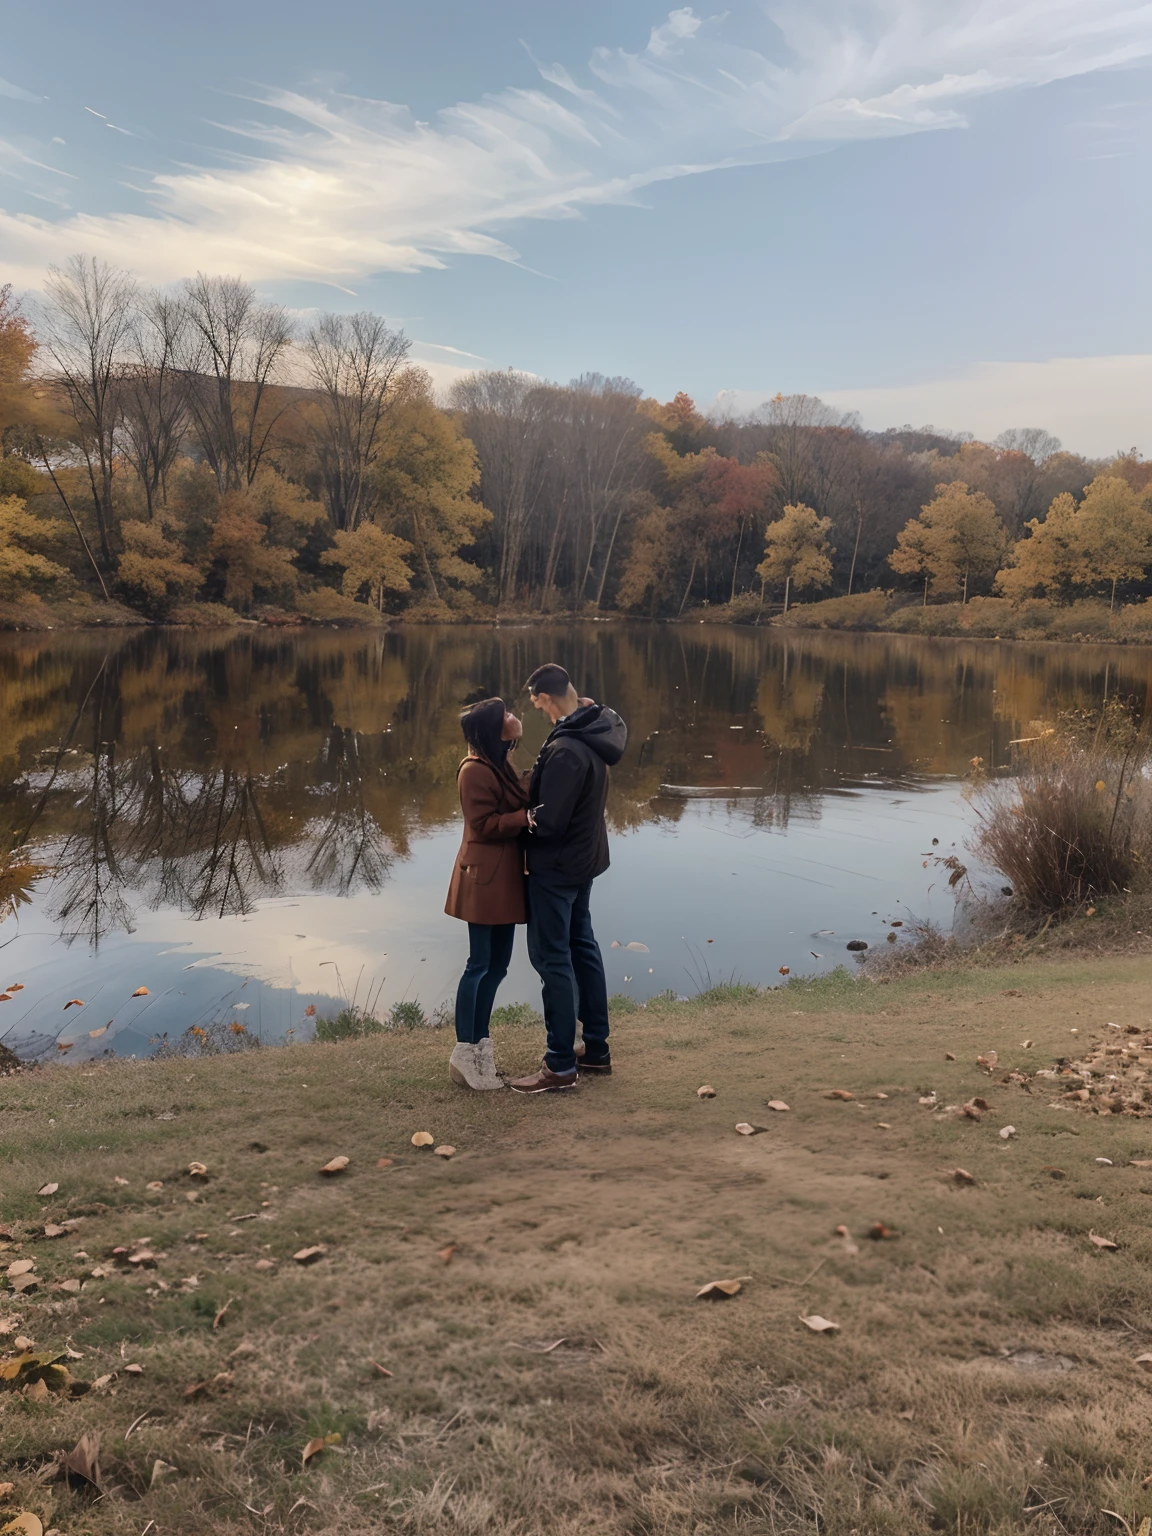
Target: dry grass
[(982, 1381)]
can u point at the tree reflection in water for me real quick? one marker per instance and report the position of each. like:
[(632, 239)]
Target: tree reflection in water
[(202, 771)]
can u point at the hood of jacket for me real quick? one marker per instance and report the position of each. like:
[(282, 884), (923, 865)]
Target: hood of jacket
[(598, 728)]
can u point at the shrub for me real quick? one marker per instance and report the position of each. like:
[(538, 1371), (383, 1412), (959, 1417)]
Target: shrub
[(327, 606), (220, 1038), (518, 1014), (407, 1014), (351, 1023), (863, 610), (620, 1002), (745, 609), (1076, 824)]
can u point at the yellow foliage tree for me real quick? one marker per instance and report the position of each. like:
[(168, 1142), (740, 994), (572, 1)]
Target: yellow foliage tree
[(796, 551), (1049, 560), (957, 537), (370, 558), (152, 568), (426, 472), (22, 568), (1106, 539), (248, 562)]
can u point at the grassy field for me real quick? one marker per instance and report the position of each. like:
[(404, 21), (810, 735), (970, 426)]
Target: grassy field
[(983, 1377)]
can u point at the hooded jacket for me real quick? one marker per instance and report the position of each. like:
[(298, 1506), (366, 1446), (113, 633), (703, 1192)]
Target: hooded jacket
[(569, 790)]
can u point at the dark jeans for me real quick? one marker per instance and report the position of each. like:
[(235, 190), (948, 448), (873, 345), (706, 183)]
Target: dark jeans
[(564, 951), (489, 951)]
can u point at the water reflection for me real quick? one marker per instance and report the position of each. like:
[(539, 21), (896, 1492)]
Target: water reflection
[(171, 796), (203, 772)]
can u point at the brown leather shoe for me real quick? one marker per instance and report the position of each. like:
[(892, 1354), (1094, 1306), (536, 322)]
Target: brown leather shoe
[(544, 1081)]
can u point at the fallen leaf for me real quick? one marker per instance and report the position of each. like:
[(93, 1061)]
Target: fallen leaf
[(65, 1045), (219, 1318), (198, 1170), (1107, 1162), (83, 1460), (48, 1189), (52, 1230), (265, 1263), (882, 1125), (423, 1139), (6, 1489), (640, 949), (778, 1105), (143, 1258), (70, 1287), (1026, 1045), (245, 1347), (1142, 1162), (1102, 1242), (706, 1091), (14, 986), (154, 1185), (23, 1524), (218, 1383), (962, 1176), (310, 1011), (785, 970), (336, 1165), (313, 1448), (444, 1151), (1007, 1132), (841, 1231), (820, 1324), (744, 1129), (878, 1232), (445, 1254), (1144, 1360), (382, 1370), (717, 1290), (119, 1180), (1053, 1172), (840, 1093), (310, 1255), (73, 1002), (160, 1469), (383, 1162), (988, 1060), (948, 1056), (134, 1370), (22, 1342), (20, 1267), (140, 992), (37, 1391)]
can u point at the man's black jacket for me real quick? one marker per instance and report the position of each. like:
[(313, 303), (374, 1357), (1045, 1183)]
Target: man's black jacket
[(570, 785)]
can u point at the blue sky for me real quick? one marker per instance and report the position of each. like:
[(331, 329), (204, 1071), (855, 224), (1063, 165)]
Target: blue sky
[(925, 209)]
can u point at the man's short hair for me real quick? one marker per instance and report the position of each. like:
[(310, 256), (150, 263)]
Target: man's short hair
[(551, 679)]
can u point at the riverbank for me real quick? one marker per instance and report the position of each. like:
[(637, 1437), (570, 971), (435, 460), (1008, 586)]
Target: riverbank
[(982, 1375)]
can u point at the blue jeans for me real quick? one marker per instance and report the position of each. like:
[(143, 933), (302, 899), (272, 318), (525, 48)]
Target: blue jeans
[(567, 958), (489, 951)]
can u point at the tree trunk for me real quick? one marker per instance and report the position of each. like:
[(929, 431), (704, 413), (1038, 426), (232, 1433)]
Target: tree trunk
[(736, 566), (855, 548), (787, 590), (964, 597), (924, 604), (691, 579), (1112, 604), (75, 523)]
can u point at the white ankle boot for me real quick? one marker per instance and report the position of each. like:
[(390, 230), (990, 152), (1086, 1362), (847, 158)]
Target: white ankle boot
[(486, 1062), (472, 1067)]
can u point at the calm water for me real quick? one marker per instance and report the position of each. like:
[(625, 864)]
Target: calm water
[(249, 824)]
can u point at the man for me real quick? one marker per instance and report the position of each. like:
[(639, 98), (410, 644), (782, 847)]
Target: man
[(567, 847)]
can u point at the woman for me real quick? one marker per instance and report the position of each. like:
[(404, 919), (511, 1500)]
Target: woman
[(488, 884)]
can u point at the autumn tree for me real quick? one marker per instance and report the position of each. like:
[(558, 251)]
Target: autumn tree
[(1049, 560), (153, 394), (152, 571), (425, 476), (796, 551), (354, 364), (23, 565), (1116, 527), (957, 538), (17, 349), (370, 558)]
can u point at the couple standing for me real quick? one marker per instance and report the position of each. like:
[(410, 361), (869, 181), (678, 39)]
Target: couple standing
[(533, 844)]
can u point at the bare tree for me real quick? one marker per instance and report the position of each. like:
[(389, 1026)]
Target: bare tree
[(353, 362), (602, 462), (505, 417), (86, 328), (796, 426), (1034, 441), (153, 399), (233, 344)]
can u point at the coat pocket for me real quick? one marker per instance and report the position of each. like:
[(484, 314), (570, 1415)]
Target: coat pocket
[(479, 862)]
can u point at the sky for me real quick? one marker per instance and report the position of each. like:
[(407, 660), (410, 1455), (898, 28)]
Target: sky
[(924, 210)]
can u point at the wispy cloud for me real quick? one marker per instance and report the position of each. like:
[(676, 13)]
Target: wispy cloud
[(17, 92), (332, 188)]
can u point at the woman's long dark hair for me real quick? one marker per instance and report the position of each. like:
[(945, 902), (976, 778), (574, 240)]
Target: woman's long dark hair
[(482, 725)]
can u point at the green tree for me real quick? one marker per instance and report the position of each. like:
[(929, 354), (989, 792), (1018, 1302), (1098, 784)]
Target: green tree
[(796, 551), (370, 558), (957, 538)]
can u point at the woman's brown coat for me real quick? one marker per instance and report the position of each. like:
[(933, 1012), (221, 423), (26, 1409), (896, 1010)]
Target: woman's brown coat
[(488, 882)]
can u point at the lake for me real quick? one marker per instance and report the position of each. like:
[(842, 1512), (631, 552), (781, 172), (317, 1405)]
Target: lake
[(252, 824)]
